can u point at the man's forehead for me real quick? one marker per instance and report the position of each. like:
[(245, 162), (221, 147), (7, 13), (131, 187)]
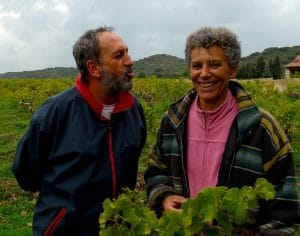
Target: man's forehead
[(111, 41), (108, 39)]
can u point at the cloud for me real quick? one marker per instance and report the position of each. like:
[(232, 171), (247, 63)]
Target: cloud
[(9, 14), (58, 6), (39, 5), (36, 34)]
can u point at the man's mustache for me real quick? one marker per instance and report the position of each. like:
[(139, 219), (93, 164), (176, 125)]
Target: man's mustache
[(128, 70)]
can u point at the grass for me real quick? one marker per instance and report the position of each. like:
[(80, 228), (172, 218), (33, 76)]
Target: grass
[(16, 208)]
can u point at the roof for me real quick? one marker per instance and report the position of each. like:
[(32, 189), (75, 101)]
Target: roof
[(294, 63)]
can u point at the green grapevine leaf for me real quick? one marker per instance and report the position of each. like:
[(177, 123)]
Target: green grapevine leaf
[(249, 196), (108, 211), (208, 202), (264, 189), (142, 229), (130, 215), (170, 223), (225, 221), (236, 205), (187, 220), (194, 227), (114, 232)]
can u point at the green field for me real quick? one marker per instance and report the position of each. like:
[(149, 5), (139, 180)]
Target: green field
[(20, 97)]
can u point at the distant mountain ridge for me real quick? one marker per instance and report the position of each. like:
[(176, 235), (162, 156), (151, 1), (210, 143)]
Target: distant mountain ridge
[(53, 72), (160, 65), (285, 54)]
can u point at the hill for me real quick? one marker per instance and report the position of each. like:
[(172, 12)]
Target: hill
[(161, 65), (285, 54), (54, 72)]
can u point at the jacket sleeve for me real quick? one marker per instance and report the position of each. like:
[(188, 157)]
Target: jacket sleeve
[(140, 122), (144, 131), (29, 163), (282, 214), (157, 176)]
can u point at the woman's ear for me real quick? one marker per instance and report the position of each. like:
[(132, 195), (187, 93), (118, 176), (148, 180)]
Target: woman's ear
[(93, 68), (233, 73)]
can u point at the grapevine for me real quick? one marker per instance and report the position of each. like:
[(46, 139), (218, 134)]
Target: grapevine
[(226, 207)]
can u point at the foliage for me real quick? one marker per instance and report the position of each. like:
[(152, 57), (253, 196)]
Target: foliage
[(155, 96), (293, 91), (252, 66), (273, 69), (295, 138), (127, 215), (278, 103), (260, 67), (276, 69), (16, 210)]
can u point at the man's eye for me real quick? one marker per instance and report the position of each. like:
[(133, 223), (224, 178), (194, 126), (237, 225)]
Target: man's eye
[(118, 55)]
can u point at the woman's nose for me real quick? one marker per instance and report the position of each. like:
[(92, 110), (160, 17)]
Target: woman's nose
[(205, 71)]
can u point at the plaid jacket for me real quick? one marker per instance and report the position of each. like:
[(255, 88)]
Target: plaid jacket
[(256, 147)]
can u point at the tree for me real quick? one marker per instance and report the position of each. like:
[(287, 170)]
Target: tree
[(241, 72), (246, 71), (260, 67), (142, 74), (276, 68), (268, 68)]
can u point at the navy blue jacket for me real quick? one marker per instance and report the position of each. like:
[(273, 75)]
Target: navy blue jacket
[(65, 155)]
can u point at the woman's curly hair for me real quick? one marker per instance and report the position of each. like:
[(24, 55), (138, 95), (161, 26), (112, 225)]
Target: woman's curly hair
[(209, 36)]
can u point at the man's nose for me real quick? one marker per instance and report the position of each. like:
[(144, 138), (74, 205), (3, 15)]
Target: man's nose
[(128, 61)]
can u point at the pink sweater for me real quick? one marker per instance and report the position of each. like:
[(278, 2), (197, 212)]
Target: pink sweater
[(207, 132)]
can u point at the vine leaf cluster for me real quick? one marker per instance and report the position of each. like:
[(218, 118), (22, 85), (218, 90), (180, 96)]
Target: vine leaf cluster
[(215, 211)]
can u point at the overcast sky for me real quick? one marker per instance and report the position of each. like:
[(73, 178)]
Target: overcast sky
[(36, 34)]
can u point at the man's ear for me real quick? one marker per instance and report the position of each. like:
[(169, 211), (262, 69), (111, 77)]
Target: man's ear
[(93, 68)]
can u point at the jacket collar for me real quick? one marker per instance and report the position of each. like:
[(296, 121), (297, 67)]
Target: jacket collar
[(248, 113), (125, 99)]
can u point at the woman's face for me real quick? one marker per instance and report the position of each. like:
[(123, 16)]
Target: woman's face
[(210, 73)]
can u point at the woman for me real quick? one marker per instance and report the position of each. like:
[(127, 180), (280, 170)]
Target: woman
[(216, 136)]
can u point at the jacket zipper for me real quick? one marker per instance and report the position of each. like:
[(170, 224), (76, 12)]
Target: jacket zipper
[(180, 142), (51, 228), (205, 148), (237, 143), (112, 163)]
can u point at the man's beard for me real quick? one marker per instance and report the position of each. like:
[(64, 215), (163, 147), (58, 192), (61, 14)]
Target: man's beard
[(115, 84)]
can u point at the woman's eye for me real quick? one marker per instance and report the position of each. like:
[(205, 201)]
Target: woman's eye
[(196, 67), (215, 65)]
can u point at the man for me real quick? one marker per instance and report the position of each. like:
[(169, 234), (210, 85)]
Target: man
[(216, 136), (83, 144)]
